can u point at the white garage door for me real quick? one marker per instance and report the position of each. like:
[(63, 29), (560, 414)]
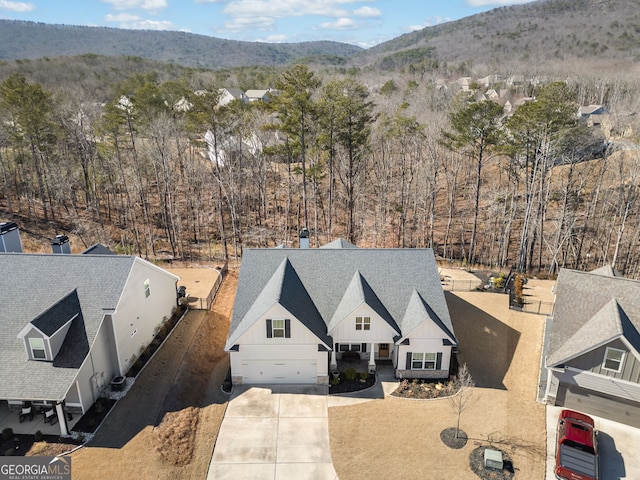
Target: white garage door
[(279, 371)]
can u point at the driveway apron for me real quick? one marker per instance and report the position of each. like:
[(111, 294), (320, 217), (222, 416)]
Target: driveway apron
[(274, 433)]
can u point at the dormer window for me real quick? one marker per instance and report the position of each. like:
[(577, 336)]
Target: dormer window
[(147, 288), (613, 359), (37, 349)]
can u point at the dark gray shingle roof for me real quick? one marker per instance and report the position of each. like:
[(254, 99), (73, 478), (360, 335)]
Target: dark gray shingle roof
[(52, 320), (592, 308), (392, 275), (34, 283)]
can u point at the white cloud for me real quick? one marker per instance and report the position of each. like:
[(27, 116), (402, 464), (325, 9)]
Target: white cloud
[(285, 8), (122, 17), (274, 39), (340, 24), (134, 22), (497, 3), (250, 23), (368, 12), (430, 22), (16, 6), (148, 5)]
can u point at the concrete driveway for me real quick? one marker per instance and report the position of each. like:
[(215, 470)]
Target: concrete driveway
[(274, 433), (617, 447)]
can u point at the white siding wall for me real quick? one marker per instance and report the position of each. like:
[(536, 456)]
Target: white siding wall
[(137, 316), (255, 346), (99, 367), (380, 332)]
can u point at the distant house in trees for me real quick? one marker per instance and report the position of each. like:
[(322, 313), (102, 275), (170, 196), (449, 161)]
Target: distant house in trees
[(593, 115), (258, 95), (228, 95)]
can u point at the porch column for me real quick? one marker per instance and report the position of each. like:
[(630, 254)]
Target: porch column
[(334, 362), (62, 420), (372, 360)]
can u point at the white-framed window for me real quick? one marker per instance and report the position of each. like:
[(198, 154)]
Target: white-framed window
[(147, 288), (352, 347), (423, 361), (363, 323), (277, 328), (613, 358), (37, 348)]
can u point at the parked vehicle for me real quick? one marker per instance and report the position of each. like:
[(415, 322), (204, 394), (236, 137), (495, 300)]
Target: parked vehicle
[(576, 452)]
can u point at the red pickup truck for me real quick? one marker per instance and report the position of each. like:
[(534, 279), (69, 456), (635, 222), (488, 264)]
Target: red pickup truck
[(576, 454)]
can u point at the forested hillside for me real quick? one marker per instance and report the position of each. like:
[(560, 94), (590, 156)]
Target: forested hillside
[(29, 40), (539, 35)]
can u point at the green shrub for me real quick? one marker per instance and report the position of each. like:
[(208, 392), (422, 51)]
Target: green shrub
[(350, 374), (334, 381), (7, 433), (9, 452), (364, 375)]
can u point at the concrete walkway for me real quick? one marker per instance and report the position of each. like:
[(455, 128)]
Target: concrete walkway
[(274, 433)]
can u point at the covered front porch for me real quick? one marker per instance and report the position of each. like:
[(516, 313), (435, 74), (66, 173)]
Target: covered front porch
[(35, 421), (360, 356)]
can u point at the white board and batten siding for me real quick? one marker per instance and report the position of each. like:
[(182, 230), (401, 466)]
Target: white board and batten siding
[(261, 360), (426, 338), (379, 332)]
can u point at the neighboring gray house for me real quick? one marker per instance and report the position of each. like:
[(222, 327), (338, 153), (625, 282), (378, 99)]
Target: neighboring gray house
[(592, 345), (298, 310), (71, 323)]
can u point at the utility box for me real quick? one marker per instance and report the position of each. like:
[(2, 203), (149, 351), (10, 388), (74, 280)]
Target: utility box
[(493, 459)]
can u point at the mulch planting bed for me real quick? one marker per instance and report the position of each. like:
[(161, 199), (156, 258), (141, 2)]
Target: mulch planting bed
[(346, 386), (476, 462), (453, 440), (423, 389)]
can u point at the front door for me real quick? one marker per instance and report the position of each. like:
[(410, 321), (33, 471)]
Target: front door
[(383, 350)]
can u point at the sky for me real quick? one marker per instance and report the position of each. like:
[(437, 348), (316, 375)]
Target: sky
[(360, 22)]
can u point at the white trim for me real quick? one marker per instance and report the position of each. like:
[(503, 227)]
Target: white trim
[(606, 355), (32, 348)]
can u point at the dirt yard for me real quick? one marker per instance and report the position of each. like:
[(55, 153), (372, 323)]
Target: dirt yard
[(166, 426), (400, 438)]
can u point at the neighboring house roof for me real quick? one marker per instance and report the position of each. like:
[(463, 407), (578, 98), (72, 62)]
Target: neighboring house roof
[(98, 249), (33, 287), (592, 309), (253, 95), (586, 110), (339, 243), (385, 279)]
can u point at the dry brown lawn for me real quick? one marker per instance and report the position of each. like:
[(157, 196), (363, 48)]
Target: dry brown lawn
[(172, 436), (400, 438)]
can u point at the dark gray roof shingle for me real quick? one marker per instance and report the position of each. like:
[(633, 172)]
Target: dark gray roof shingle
[(34, 283), (392, 275), (592, 308)]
